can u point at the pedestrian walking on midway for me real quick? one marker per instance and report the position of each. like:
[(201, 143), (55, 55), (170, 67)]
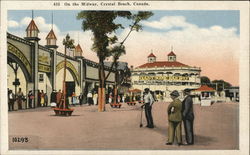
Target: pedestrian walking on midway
[(188, 116), (58, 97), (39, 99), (45, 99), (110, 98), (174, 119), (11, 100), (42, 99), (20, 98), (80, 99), (123, 98), (148, 100), (118, 98), (95, 97), (53, 98), (30, 98), (90, 98), (74, 99)]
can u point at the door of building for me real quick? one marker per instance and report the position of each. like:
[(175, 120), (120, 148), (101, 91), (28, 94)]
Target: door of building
[(70, 87)]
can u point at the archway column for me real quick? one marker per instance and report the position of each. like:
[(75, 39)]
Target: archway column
[(35, 73), (54, 63)]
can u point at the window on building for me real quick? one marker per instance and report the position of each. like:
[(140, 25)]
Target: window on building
[(41, 78)]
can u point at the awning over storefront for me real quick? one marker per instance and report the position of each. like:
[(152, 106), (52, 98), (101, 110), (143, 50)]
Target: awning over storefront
[(205, 88)]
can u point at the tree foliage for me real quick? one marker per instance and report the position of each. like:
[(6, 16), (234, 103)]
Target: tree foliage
[(68, 43), (103, 26), (205, 80)]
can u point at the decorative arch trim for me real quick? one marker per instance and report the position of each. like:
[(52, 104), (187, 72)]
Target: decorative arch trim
[(71, 68), (18, 53)]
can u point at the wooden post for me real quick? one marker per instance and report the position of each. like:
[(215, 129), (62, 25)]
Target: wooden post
[(115, 94), (101, 99), (64, 79)]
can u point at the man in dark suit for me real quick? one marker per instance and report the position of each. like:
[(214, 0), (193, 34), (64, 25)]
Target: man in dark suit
[(188, 116), (53, 98)]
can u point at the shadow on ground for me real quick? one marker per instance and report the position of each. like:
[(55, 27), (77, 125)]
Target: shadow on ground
[(63, 116), (198, 139)]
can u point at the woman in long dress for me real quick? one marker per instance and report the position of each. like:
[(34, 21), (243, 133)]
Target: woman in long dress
[(95, 96), (42, 99), (74, 99)]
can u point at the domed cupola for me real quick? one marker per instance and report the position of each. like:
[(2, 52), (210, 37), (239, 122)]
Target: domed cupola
[(171, 57), (151, 58)]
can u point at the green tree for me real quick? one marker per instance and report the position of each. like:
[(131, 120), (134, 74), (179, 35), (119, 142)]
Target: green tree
[(205, 80), (68, 44), (105, 42)]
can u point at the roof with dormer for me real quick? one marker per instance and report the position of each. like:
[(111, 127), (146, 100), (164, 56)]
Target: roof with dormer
[(78, 48), (51, 35), (32, 26), (151, 55), (159, 64), (171, 54)]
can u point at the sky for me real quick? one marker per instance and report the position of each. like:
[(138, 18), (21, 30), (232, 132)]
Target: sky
[(206, 39)]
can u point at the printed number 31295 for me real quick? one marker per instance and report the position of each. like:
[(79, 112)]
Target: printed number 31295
[(20, 139)]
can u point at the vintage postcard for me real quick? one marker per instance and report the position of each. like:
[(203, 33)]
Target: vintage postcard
[(124, 77)]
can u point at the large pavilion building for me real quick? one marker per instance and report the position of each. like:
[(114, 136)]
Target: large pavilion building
[(163, 77)]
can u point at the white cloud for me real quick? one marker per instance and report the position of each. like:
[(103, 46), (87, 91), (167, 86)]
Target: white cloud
[(168, 22), (40, 22), (25, 21), (13, 24)]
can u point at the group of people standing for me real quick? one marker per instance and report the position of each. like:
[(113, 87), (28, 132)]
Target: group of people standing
[(56, 97), (92, 98), (18, 98), (42, 100), (177, 112)]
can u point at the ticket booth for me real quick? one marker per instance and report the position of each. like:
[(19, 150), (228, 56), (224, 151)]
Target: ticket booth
[(205, 95)]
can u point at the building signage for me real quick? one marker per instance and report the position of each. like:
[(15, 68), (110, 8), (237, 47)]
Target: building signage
[(13, 50), (70, 66), (163, 78), (44, 58), (44, 68)]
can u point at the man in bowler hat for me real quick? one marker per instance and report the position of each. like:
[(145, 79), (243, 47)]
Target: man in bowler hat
[(188, 116), (148, 100)]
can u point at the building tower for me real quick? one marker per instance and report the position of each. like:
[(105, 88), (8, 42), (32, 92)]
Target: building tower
[(51, 43), (78, 51), (151, 58), (171, 57), (32, 31), (51, 38), (32, 35)]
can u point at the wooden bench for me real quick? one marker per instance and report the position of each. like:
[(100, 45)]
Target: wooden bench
[(115, 105), (63, 112), (131, 103)]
